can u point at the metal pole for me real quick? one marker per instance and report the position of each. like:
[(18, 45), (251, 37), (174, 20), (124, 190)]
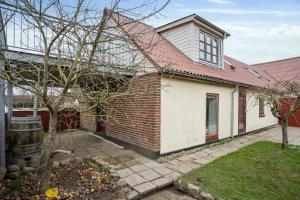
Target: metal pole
[(35, 106), (2, 121), (3, 47)]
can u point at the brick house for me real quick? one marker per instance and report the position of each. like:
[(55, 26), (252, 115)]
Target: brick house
[(193, 95)]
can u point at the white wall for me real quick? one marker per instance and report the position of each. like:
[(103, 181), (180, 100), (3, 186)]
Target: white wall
[(253, 121), (183, 113)]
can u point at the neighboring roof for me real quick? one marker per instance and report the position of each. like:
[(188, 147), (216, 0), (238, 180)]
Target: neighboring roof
[(193, 17), (167, 58), (282, 70)]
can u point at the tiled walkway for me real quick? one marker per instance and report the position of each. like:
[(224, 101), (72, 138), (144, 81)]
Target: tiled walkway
[(144, 175)]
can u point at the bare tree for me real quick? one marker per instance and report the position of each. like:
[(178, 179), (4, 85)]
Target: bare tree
[(86, 61), (283, 98)]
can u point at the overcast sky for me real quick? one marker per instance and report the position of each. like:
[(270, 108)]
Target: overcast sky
[(261, 30)]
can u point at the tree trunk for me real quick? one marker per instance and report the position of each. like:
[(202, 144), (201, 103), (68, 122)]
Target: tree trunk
[(284, 127), (49, 153)]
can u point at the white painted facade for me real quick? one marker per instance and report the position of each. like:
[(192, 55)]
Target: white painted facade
[(253, 121), (183, 113)]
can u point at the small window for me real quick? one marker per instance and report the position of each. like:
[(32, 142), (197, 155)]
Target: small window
[(261, 107), (212, 109), (208, 46)]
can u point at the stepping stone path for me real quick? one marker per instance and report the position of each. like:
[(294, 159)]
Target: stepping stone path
[(145, 175)]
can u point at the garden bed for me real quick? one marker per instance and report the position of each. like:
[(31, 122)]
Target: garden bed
[(75, 181), (258, 171)]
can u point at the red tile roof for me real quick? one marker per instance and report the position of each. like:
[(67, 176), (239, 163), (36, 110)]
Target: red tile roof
[(167, 58), (282, 70)]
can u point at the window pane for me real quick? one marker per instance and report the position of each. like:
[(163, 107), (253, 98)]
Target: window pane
[(214, 42), (214, 59), (208, 39), (208, 56), (201, 45), (208, 48), (201, 54), (214, 51), (201, 37), (211, 115)]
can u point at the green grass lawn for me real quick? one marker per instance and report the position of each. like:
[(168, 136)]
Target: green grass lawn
[(258, 171)]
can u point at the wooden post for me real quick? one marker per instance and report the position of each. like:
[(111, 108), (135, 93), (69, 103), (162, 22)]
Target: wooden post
[(10, 95)]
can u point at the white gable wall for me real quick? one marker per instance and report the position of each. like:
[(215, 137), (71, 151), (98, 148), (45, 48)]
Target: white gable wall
[(183, 113), (186, 38), (181, 37)]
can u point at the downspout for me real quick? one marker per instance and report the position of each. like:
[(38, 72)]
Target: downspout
[(232, 110)]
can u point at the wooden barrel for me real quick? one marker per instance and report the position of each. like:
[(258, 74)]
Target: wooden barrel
[(25, 136)]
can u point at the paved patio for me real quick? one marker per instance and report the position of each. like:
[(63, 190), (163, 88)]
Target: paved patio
[(144, 175)]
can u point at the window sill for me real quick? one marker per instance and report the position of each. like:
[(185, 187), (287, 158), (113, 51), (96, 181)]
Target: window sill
[(261, 115), (211, 137)]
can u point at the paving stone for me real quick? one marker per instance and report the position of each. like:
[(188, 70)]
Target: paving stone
[(186, 197), (208, 151), (152, 164), (172, 176), (184, 169), (125, 172), (176, 162), (121, 183), (161, 182), (133, 195), (202, 161), (193, 165), (198, 155), (144, 188), (139, 168), (131, 163), (134, 180), (162, 170), (143, 160), (150, 174), (185, 158), (170, 166)]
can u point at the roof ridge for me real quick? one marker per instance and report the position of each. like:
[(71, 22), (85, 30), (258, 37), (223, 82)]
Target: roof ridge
[(281, 60), (130, 18)]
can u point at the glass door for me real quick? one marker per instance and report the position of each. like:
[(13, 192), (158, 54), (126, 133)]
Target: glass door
[(242, 112), (212, 104)]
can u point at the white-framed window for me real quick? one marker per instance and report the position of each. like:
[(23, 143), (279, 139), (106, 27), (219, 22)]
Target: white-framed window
[(208, 48)]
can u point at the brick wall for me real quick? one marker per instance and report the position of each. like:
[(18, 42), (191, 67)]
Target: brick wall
[(88, 121), (136, 118)]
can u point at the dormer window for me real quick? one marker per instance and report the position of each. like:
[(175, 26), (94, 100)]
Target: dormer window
[(208, 48)]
